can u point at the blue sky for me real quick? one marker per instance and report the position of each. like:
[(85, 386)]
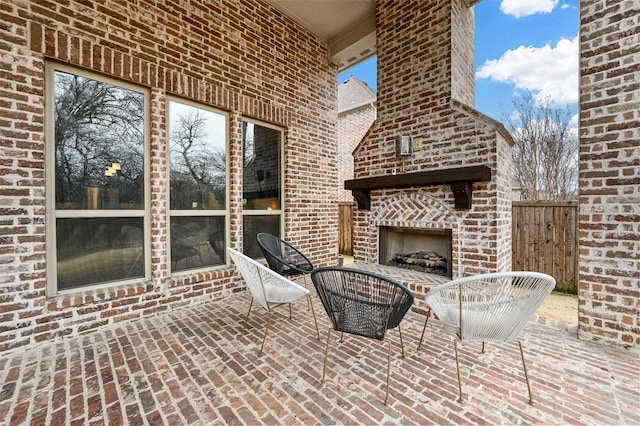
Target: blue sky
[(521, 46)]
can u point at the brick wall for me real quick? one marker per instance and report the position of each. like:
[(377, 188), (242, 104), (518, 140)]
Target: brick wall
[(609, 184), (242, 57), (417, 97), (463, 76), (352, 126)]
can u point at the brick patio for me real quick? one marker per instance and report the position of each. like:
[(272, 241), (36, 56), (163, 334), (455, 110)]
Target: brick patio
[(193, 366)]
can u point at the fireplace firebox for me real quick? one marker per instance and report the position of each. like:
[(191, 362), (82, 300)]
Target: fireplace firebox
[(423, 250)]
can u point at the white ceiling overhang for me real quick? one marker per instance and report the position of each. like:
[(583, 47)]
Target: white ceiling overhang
[(348, 26)]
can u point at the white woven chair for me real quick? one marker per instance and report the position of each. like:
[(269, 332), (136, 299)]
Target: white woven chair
[(490, 308), (268, 288)]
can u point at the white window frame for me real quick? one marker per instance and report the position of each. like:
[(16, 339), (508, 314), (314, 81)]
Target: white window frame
[(280, 211), (52, 214), (198, 213)]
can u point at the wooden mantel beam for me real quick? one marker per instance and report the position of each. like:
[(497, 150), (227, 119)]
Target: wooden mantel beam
[(460, 179)]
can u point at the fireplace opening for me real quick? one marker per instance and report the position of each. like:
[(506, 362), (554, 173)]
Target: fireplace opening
[(423, 250)]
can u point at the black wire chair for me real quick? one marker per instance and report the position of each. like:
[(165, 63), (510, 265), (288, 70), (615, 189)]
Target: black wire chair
[(287, 261), (361, 303)]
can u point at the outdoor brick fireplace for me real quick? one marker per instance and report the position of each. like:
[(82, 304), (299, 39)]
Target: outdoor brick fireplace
[(447, 189), (423, 250)]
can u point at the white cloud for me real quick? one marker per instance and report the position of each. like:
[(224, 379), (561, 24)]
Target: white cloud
[(574, 126), (521, 8), (549, 72)]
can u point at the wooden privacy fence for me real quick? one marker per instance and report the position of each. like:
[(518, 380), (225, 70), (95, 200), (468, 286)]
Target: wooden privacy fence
[(544, 239)]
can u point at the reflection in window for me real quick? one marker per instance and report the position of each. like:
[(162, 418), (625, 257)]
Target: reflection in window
[(252, 226), (99, 145), (261, 174), (98, 250), (198, 186), (197, 143), (197, 242), (97, 152), (262, 177)]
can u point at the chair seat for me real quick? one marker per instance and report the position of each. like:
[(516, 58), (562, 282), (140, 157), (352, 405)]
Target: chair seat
[(294, 270), (482, 324), (278, 295), (495, 318), (361, 322), (282, 257), (359, 316)]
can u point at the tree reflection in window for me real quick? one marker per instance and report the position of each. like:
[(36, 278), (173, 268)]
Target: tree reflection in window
[(99, 169), (198, 179), (97, 124), (197, 156)]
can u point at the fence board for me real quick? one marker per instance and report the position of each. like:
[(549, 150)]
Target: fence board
[(345, 228), (560, 271), (549, 236)]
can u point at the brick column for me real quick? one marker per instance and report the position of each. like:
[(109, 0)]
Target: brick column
[(609, 183)]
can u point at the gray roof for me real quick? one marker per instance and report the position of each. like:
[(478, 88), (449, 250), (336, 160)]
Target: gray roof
[(353, 93)]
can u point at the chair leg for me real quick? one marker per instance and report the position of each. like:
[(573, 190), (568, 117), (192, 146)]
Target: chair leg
[(309, 304), (386, 395), (401, 343), (482, 347), (424, 328), (266, 330), (455, 347), (290, 316), (313, 312), (326, 353), (246, 320), (526, 375)]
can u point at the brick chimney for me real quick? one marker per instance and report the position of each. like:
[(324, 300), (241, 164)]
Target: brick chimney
[(456, 175)]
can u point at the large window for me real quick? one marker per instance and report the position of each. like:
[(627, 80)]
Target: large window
[(198, 186), (261, 183), (96, 186)]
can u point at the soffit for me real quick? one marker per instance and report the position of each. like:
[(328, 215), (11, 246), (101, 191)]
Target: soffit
[(348, 26)]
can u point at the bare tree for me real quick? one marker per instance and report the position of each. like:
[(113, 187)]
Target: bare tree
[(545, 157)]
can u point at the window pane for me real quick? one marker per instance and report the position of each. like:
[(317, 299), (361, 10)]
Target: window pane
[(98, 250), (261, 174), (99, 144), (197, 242), (254, 225), (197, 142)]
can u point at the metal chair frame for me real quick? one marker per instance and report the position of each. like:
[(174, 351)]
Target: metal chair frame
[(362, 303), (489, 308), (288, 261), (268, 288)]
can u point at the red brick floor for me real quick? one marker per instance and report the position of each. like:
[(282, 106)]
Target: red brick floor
[(193, 366)]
